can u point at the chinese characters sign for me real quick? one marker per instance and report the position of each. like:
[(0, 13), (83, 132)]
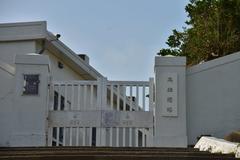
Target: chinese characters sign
[(127, 119), (101, 118), (170, 90)]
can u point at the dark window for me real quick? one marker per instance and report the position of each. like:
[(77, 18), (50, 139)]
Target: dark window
[(94, 136), (60, 136), (54, 132), (31, 82), (55, 105)]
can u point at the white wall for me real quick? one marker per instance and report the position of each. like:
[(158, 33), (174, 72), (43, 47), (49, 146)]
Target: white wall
[(6, 102), (66, 73), (213, 97), (8, 51)]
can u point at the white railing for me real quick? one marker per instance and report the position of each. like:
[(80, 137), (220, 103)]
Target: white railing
[(101, 113)]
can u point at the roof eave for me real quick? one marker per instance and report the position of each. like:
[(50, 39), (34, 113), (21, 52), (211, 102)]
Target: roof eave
[(68, 53)]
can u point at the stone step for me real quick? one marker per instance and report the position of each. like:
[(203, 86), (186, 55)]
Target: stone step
[(115, 157), (72, 148), (106, 153)]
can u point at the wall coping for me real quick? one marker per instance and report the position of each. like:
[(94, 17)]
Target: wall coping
[(213, 63)]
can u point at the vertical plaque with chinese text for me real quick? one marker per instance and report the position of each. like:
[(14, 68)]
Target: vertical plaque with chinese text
[(169, 94)]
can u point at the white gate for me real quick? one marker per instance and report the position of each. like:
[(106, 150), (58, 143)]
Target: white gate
[(101, 113)]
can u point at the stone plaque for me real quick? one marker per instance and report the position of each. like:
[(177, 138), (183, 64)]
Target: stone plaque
[(169, 98), (75, 118), (127, 119)]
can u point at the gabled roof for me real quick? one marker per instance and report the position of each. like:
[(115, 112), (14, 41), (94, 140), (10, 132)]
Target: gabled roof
[(38, 31)]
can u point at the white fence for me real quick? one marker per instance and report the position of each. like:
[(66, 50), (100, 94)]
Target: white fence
[(101, 113)]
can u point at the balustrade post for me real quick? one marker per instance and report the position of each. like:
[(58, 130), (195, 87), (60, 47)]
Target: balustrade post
[(102, 105)]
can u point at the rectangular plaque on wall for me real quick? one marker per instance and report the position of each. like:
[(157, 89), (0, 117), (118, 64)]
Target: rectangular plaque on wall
[(170, 94), (30, 85)]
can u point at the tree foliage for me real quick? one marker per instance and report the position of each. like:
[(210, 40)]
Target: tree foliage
[(213, 30)]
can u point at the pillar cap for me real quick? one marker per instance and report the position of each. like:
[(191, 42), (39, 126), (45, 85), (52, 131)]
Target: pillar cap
[(33, 59), (170, 61)]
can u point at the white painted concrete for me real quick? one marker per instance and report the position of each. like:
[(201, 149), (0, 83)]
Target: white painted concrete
[(170, 129), (7, 89), (66, 73), (213, 97), (22, 31), (30, 111), (8, 51)]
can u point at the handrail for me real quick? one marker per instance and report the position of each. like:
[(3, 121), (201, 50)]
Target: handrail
[(8, 68), (139, 83), (75, 83)]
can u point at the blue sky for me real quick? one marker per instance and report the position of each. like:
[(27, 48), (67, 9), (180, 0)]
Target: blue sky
[(121, 37)]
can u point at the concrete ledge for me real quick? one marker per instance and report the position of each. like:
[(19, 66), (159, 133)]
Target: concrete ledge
[(216, 145), (23, 31)]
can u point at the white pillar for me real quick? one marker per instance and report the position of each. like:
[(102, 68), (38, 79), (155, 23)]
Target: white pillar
[(102, 104), (170, 113), (30, 108)]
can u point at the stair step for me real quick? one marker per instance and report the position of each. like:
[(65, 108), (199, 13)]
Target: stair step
[(107, 153)]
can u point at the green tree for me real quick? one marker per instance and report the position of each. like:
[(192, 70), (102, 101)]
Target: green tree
[(213, 30)]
